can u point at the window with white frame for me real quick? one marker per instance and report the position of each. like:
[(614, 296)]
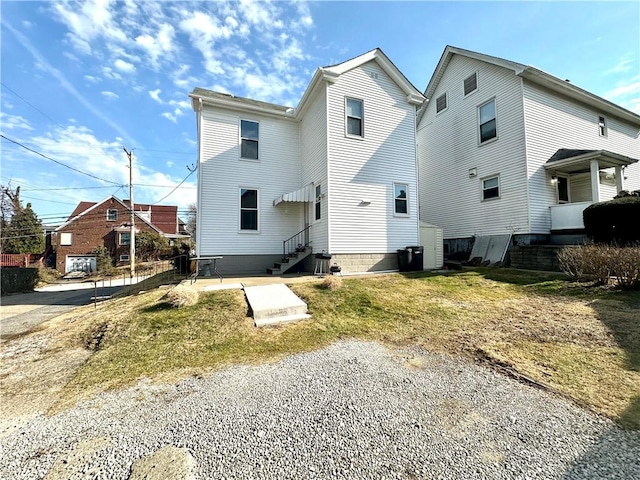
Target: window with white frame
[(124, 258), (249, 135), (249, 209), (318, 202), (441, 102), (354, 110), (66, 238), (112, 215), (491, 187), (487, 121), (602, 126), (470, 84), (400, 199), (124, 238)]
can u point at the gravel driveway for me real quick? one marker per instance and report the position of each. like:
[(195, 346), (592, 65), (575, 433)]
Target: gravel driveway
[(353, 410)]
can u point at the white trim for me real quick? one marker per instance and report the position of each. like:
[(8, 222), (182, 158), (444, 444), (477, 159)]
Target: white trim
[(246, 230), (482, 189), (109, 210), (346, 117), (120, 238), (240, 138), (495, 118), (393, 196), (123, 259)]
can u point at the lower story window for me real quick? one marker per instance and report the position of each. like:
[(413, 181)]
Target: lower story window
[(124, 258), (248, 209), (125, 238), (491, 188), (563, 190), (400, 199)]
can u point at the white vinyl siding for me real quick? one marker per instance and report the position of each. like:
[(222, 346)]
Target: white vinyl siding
[(546, 112), (222, 175), (448, 150), (313, 165), (361, 173)]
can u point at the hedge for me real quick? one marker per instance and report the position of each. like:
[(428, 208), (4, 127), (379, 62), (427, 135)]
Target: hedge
[(617, 220)]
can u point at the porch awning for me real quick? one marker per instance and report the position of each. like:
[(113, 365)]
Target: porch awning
[(578, 161), (304, 194)]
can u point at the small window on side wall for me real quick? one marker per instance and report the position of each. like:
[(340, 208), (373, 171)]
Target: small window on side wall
[(487, 121), (470, 84), (66, 238), (354, 117), (125, 238), (318, 202), (249, 137), (441, 103), (124, 258), (602, 126), (400, 199), (249, 209), (491, 187), (112, 215)]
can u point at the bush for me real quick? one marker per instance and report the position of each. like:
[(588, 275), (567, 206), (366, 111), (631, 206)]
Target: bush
[(182, 296), (48, 275), (104, 261), (613, 221), (600, 262), (332, 282)]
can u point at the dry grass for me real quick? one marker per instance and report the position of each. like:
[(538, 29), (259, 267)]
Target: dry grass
[(331, 282), (182, 296), (581, 341)]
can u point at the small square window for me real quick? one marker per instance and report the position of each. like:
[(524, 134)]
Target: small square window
[(602, 126), (400, 199), (124, 258), (441, 103), (487, 121), (248, 209), (249, 134), (491, 188), (125, 238), (66, 238), (112, 215), (470, 84), (354, 117), (318, 203)]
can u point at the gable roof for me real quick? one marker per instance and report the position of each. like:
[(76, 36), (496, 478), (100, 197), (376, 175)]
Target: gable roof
[(328, 73), (85, 208), (533, 75)]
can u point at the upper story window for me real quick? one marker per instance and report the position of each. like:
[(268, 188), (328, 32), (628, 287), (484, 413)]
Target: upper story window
[(491, 187), (400, 199), (66, 238), (602, 126), (125, 238), (470, 84), (441, 103), (249, 133), (249, 209), (112, 215), (354, 117), (487, 121), (318, 203)]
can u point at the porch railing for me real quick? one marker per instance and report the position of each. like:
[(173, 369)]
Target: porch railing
[(296, 243), (568, 216)]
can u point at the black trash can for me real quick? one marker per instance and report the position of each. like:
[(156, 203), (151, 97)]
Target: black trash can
[(403, 259), (416, 258)]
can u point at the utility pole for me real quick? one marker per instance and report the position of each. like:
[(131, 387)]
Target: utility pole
[(132, 243)]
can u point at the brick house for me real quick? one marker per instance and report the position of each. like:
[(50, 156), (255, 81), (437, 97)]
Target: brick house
[(107, 223)]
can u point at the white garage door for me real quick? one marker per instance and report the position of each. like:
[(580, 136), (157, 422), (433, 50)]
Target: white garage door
[(80, 263)]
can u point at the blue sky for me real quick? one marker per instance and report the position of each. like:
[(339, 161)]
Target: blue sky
[(82, 80)]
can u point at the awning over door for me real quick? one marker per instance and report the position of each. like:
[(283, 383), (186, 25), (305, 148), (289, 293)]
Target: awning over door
[(304, 194)]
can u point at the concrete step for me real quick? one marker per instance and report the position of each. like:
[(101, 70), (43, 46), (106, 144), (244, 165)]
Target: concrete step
[(274, 304)]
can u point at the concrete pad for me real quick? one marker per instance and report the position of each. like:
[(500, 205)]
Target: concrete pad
[(274, 304), (223, 286)]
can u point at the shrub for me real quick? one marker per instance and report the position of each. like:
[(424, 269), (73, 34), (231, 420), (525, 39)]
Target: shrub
[(613, 221), (332, 282), (600, 262), (104, 261), (48, 275), (182, 296)]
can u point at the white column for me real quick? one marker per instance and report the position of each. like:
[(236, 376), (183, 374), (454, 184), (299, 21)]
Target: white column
[(619, 179), (595, 180)]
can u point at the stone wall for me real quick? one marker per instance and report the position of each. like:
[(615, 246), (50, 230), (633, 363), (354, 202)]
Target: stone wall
[(365, 262), (536, 257)]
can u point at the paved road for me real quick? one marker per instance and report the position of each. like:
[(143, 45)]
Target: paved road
[(20, 313)]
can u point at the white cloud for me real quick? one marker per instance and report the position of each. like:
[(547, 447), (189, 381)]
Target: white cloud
[(124, 66), (180, 104), (624, 65), (14, 122), (27, 24), (91, 78), (170, 116), (159, 46), (626, 94), (109, 94), (110, 73), (155, 94), (169, 164)]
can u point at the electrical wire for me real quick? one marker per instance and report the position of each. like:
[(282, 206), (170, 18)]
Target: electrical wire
[(191, 172)]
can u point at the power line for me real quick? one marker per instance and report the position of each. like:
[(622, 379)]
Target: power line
[(191, 172), (58, 162)]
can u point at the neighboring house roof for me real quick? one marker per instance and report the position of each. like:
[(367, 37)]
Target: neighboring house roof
[(329, 73), (576, 161), (163, 211), (534, 75)]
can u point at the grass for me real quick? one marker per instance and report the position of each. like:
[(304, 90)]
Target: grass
[(581, 341)]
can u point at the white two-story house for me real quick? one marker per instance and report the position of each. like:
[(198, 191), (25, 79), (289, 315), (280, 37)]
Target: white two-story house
[(505, 148), (336, 174)]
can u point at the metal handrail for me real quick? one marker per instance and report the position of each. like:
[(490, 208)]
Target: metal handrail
[(300, 239)]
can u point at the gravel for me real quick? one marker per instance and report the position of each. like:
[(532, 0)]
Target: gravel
[(352, 410)]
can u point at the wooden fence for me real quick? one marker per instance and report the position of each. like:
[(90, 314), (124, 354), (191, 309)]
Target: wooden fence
[(19, 259)]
